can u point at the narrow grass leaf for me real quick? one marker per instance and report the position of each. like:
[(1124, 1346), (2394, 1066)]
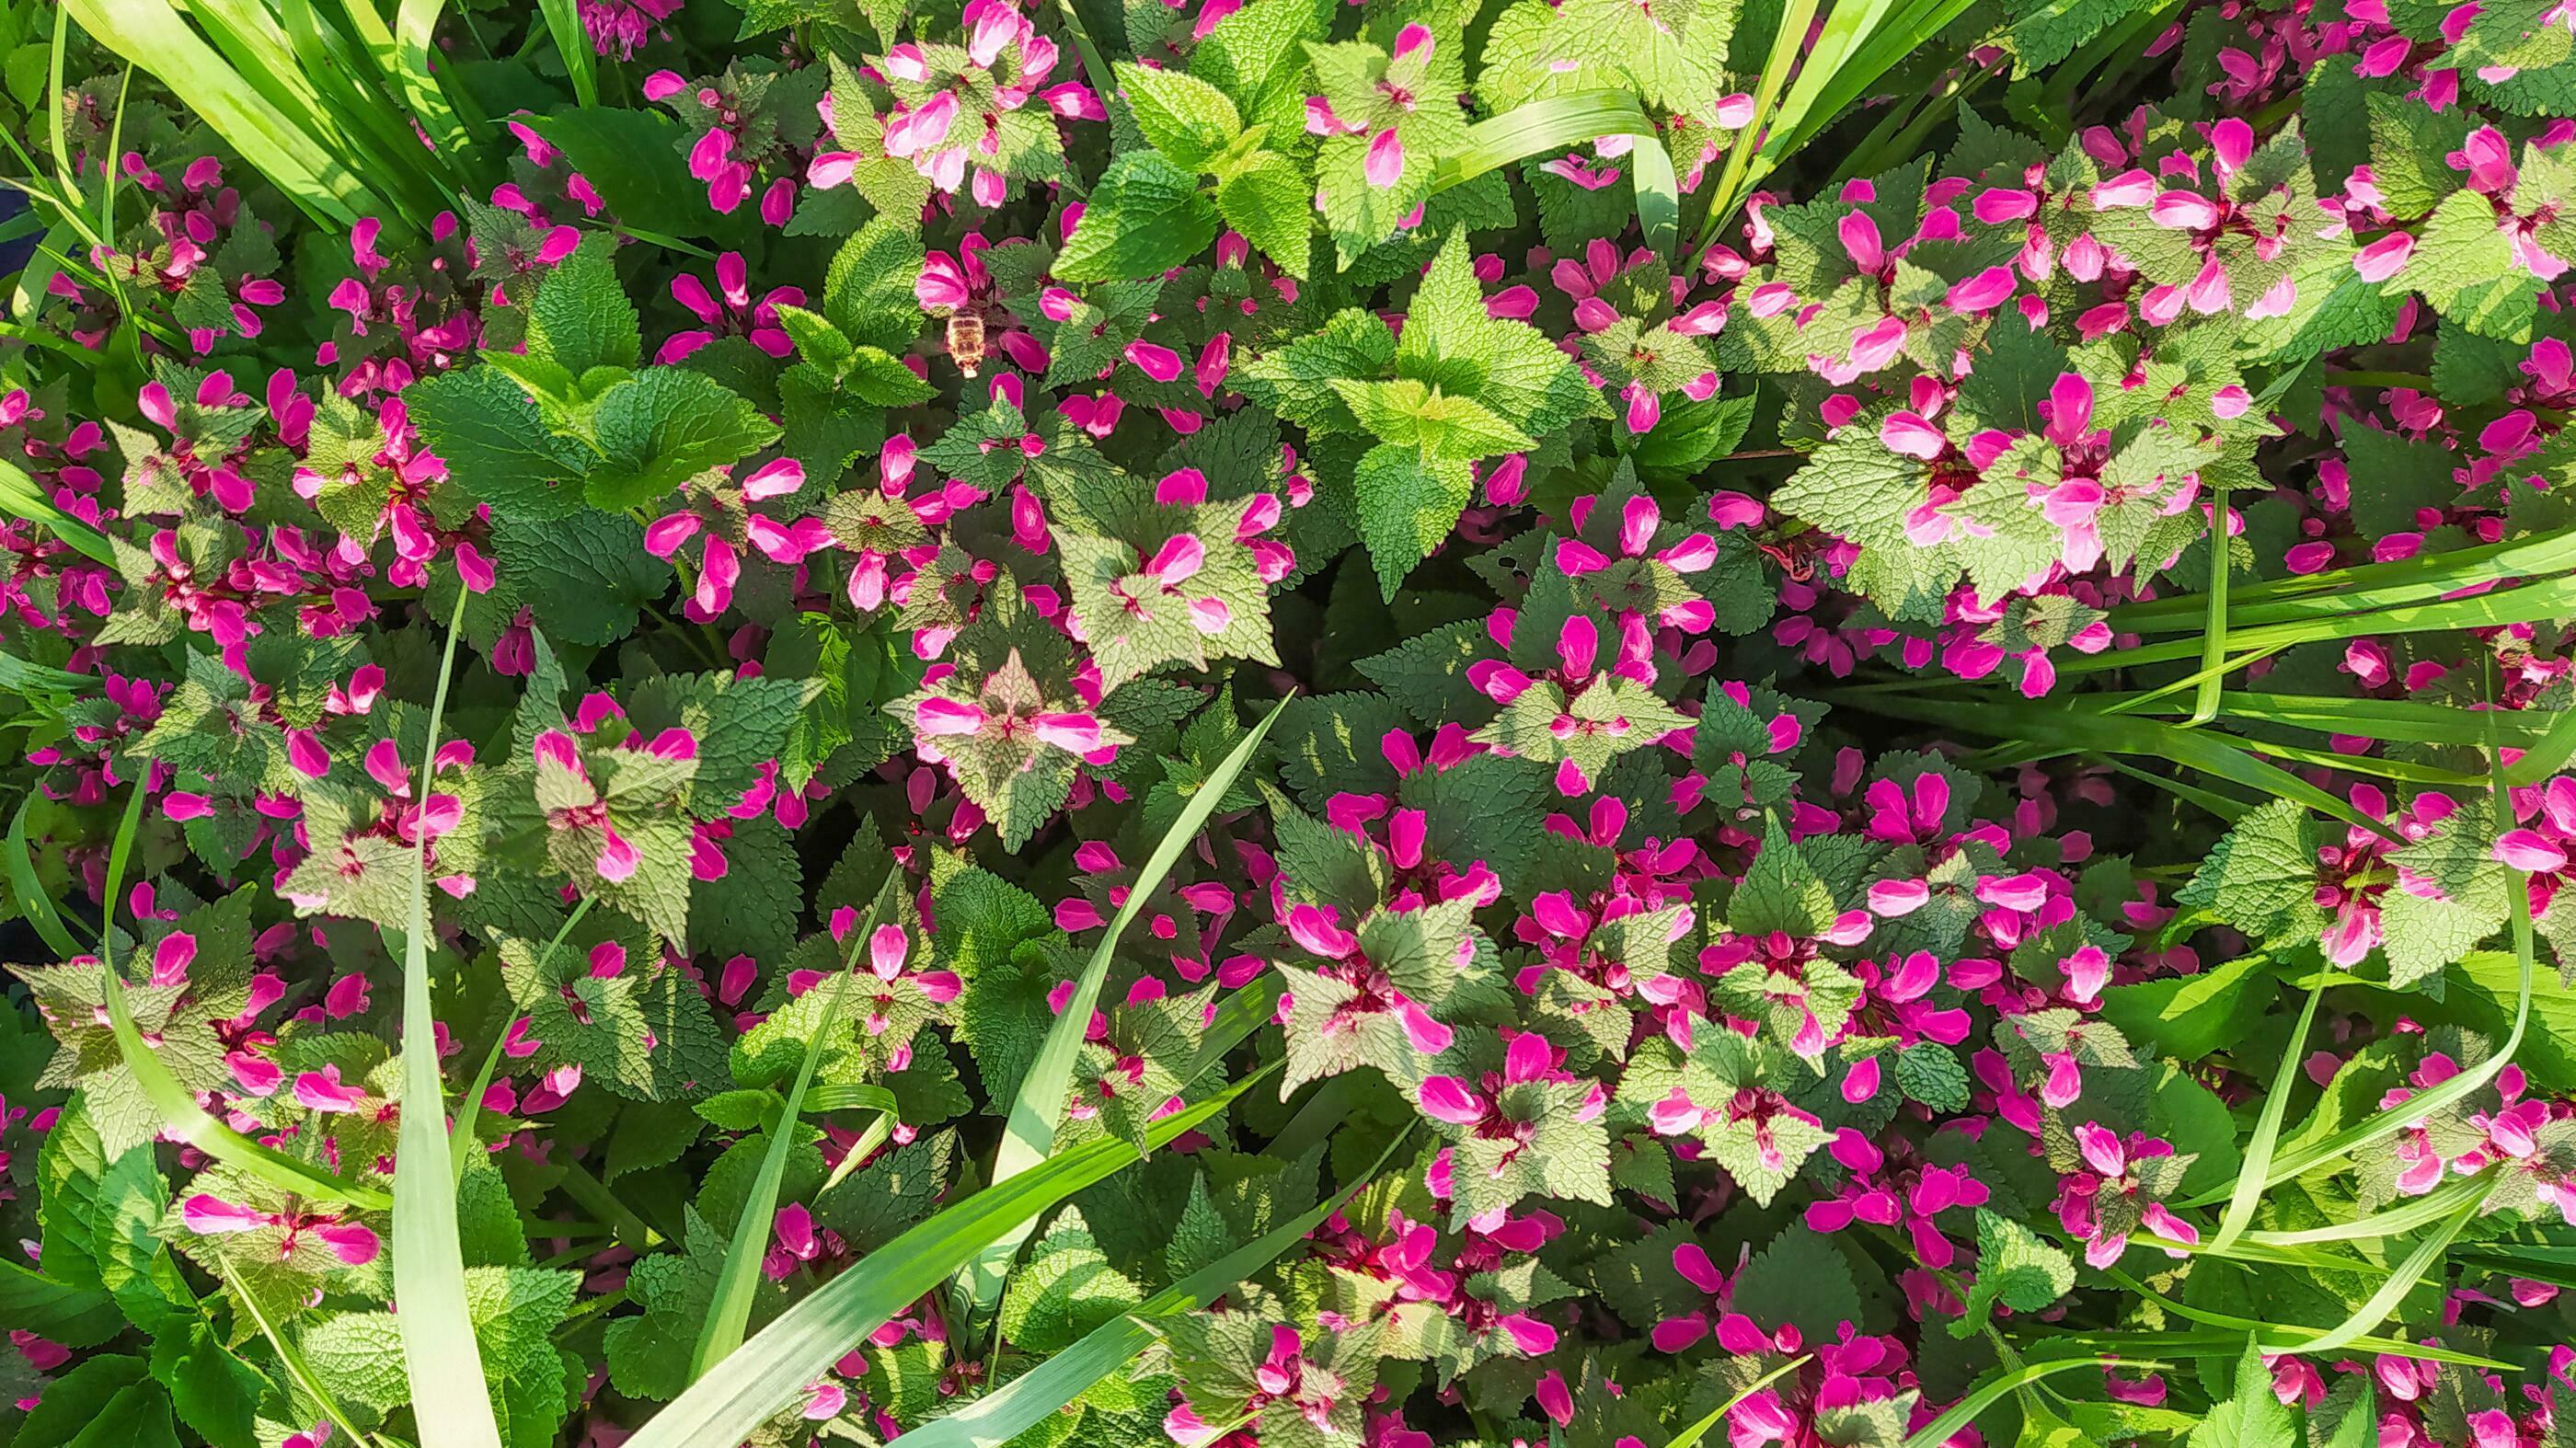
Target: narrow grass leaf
[(19, 498), (2400, 1282), (1992, 1388), (729, 1311), (2394, 1222), (2120, 734), (292, 1357), (181, 1118), (461, 1136), (2391, 1120), (572, 43), (2237, 1327), (781, 1359), (2267, 1134), (439, 1355), (1541, 128), (1029, 1133), (1787, 44), (29, 891), (156, 38), (1027, 1400), (1689, 1437), (1659, 196)]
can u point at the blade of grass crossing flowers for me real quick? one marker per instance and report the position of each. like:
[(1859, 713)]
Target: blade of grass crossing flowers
[(440, 1359), (33, 902), (2391, 1120), (415, 26), (1027, 1400), (1884, 41), (1541, 128), (19, 498), (2395, 1221), (2121, 734), (1690, 1436), (788, 1355), (2364, 586), (461, 1136), (2239, 1326), (2547, 755), (572, 42), (293, 1357), (1994, 1387), (1787, 44), (2267, 1133), (2393, 1291), (54, 115), (181, 1118), (729, 1311), (1029, 1134)]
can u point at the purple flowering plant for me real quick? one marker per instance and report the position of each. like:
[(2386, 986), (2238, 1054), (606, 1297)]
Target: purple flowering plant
[(1262, 724)]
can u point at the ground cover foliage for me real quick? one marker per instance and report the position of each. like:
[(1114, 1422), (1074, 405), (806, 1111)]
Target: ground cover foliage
[(1271, 724)]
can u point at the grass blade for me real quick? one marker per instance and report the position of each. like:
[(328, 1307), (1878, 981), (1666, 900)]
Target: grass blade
[(1787, 44), (154, 37), (2395, 1221), (2081, 729), (20, 499), (729, 1311), (2545, 601), (1544, 127), (415, 26), (2267, 1134), (460, 1138), (440, 1359), (181, 1119), (1025, 1401), (572, 42), (1659, 197), (2362, 587), (1689, 1437), (727, 1404), (2400, 1282), (2390, 1120), (1991, 1389), (29, 891), (2213, 648), (1029, 1134), (293, 1357), (2237, 1327)]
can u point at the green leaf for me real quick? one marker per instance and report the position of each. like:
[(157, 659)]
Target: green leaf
[(497, 450), (2015, 1267), (2252, 1416), (1067, 1290), (1272, 204), (1145, 217), (664, 427), (1188, 120), (1407, 505), (2262, 878), (581, 318)]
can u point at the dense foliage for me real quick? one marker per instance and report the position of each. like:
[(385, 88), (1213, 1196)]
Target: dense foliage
[(1269, 724)]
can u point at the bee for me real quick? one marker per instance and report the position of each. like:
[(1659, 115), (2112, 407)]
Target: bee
[(966, 339)]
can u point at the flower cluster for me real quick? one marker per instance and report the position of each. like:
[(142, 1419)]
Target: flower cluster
[(1788, 796)]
